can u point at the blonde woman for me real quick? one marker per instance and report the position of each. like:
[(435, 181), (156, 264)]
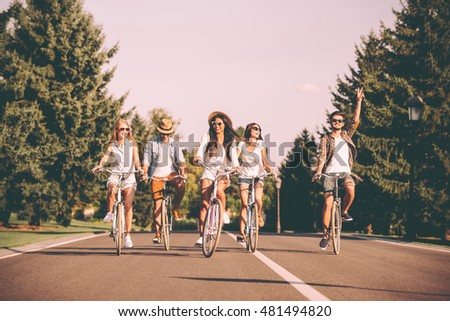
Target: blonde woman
[(122, 155)]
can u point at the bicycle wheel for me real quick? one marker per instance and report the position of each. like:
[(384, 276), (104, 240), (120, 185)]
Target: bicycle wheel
[(336, 224), (253, 230), (165, 226), (212, 228), (119, 229)]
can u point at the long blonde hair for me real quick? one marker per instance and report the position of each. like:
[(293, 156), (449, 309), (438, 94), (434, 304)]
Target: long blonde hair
[(114, 135)]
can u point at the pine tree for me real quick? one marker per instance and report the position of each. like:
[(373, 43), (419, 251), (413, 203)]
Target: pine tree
[(299, 196), (55, 107)]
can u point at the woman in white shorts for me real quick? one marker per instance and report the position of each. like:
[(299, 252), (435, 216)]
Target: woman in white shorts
[(217, 150), (253, 165), (122, 155)]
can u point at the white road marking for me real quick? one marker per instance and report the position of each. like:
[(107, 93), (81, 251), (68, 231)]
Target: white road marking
[(43, 245), (300, 285)]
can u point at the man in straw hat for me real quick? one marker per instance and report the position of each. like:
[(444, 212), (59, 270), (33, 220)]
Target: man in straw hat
[(163, 158)]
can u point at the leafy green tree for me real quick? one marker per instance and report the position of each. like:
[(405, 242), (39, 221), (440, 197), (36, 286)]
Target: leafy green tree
[(409, 59), (55, 108)]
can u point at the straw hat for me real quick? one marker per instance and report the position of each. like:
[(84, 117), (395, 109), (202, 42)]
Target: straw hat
[(165, 126), (222, 115)]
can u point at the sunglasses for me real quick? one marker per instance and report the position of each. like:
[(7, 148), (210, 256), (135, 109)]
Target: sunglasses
[(214, 123), (256, 129), (124, 129), (337, 120), (164, 134)]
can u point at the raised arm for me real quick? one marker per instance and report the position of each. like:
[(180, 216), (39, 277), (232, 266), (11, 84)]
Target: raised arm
[(359, 99)]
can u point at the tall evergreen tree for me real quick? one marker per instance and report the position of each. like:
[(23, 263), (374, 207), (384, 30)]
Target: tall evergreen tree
[(299, 197), (55, 108), (409, 59)]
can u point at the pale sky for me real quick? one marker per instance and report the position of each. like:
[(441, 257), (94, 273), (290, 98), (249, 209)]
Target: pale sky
[(267, 61)]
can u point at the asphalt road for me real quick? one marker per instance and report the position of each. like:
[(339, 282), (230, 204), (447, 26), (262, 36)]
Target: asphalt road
[(287, 267)]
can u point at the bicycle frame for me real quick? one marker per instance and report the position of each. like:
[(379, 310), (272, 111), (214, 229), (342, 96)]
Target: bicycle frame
[(166, 211), (251, 226), (118, 221), (212, 226), (251, 229), (335, 225)]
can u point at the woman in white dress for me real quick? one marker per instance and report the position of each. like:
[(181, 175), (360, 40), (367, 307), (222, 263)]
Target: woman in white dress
[(217, 150)]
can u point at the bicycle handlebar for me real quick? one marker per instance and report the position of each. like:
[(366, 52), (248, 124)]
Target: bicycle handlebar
[(116, 172), (228, 170), (337, 175), (165, 179)]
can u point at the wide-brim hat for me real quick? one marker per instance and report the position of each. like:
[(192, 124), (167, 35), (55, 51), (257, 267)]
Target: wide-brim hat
[(165, 126), (220, 114)]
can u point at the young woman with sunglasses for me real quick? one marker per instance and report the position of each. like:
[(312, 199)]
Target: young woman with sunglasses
[(217, 150), (122, 155), (253, 164)]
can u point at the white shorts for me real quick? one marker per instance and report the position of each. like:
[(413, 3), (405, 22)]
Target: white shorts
[(130, 181), (211, 174)]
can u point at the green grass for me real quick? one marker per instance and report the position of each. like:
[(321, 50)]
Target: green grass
[(16, 236)]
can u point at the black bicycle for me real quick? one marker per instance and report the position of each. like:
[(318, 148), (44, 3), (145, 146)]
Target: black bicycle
[(166, 211), (335, 225)]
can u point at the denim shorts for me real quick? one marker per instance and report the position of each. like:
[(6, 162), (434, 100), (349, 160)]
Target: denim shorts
[(328, 183), (248, 181)]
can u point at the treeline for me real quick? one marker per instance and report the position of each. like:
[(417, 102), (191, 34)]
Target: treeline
[(56, 113)]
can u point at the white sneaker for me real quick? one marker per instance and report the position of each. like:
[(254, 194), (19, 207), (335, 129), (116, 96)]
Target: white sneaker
[(108, 218), (199, 242), (128, 242), (226, 218)]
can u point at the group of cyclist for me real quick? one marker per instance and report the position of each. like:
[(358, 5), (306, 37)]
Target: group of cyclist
[(220, 149), (163, 158)]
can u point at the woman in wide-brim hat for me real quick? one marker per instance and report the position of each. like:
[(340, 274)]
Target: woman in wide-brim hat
[(217, 150)]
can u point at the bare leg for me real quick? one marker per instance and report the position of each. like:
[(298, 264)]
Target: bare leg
[(206, 190), (326, 212), (128, 204), (243, 188), (349, 195)]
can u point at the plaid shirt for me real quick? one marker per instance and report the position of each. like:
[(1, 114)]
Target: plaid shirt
[(327, 144)]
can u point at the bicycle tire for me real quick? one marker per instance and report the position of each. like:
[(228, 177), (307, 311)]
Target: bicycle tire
[(119, 229), (336, 225), (212, 228), (253, 228), (165, 227), (247, 229)]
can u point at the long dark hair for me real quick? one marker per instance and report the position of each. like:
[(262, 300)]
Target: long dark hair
[(248, 130), (229, 137)]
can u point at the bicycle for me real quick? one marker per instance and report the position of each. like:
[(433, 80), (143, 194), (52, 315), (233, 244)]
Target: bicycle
[(166, 208), (251, 230), (212, 227), (335, 225), (118, 221)]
